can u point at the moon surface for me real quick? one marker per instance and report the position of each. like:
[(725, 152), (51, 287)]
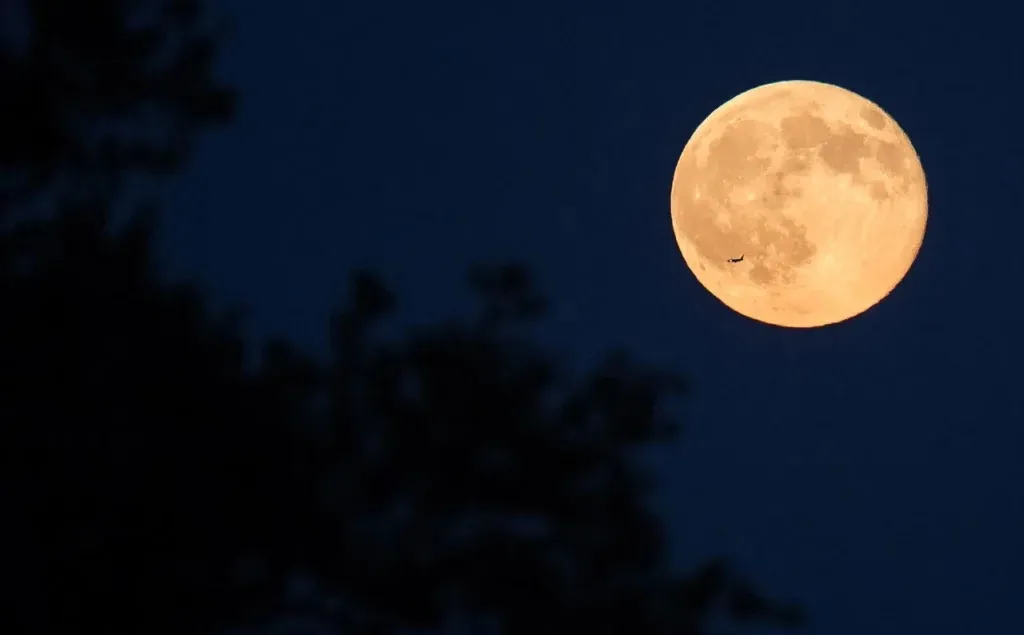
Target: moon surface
[(799, 204)]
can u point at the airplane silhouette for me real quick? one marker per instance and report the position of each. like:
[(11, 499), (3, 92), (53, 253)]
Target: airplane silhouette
[(740, 259)]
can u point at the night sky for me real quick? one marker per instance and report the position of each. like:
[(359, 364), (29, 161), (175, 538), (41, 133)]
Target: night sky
[(870, 470)]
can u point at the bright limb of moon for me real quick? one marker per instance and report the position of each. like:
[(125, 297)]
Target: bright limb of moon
[(799, 204)]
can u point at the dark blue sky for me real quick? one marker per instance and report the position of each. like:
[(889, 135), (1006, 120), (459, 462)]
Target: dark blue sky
[(871, 470)]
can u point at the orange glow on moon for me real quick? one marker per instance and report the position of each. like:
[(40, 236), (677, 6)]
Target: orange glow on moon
[(799, 204)]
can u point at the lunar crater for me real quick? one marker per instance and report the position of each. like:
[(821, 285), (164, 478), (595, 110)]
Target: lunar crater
[(873, 118), (804, 131)]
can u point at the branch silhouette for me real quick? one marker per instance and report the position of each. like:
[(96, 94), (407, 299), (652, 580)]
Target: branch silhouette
[(488, 480), (94, 92)]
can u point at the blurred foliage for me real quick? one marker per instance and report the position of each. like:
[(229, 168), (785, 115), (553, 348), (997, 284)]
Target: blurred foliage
[(155, 482), (95, 92)]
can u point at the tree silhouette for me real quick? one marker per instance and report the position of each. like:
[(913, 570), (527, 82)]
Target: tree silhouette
[(94, 92), (155, 482), (141, 460), (489, 483)]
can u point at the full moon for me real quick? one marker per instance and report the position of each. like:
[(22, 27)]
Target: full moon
[(799, 204)]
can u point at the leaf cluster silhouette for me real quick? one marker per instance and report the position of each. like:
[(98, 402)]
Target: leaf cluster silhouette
[(95, 92), (156, 480)]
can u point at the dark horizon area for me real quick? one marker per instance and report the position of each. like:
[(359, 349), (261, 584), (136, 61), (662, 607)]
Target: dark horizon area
[(868, 471)]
